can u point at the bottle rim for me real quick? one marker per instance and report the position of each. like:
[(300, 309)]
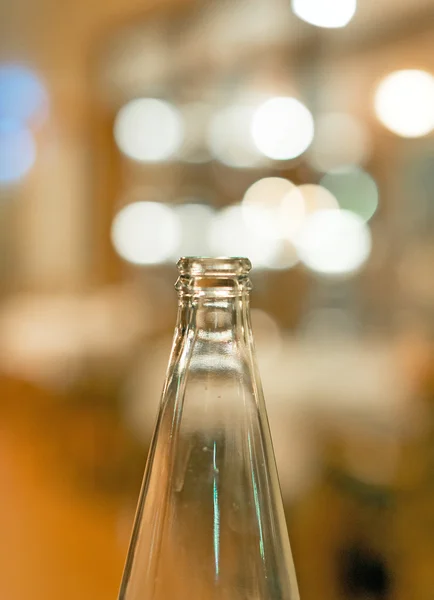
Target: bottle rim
[(214, 266)]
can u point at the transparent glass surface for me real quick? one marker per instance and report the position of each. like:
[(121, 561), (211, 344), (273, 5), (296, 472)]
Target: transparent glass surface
[(210, 521)]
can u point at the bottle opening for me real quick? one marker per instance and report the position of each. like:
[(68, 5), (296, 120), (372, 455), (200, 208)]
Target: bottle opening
[(213, 276), (214, 267)]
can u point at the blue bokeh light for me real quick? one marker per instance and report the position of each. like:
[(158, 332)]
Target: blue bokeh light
[(17, 151), (23, 96)]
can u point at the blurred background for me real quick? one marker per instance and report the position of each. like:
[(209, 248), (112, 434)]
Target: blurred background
[(297, 133)]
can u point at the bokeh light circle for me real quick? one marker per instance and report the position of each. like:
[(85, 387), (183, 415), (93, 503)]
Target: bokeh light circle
[(282, 128), (316, 197), (279, 208), (354, 189), (148, 130), (195, 220), (229, 137), (404, 103), (230, 235), (268, 192), (23, 96), (329, 14), (287, 256), (145, 232), (334, 242), (17, 151)]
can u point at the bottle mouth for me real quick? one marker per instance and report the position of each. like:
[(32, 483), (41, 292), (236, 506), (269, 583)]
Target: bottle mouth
[(213, 277), (214, 267)]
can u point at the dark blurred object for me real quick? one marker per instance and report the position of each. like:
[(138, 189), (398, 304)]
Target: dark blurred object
[(364, 574)]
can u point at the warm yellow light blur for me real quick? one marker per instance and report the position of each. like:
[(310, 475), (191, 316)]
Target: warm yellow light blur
[(278, 204), (282, 128), (325, 13), (148, 130), (268, 192), (315, 198), (404, 103)]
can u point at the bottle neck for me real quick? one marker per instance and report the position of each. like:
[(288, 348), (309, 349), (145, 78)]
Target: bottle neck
[(214, 337), (214, 303), (214, 313)]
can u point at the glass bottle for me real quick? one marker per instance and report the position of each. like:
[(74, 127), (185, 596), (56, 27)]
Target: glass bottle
[(210, 521)]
